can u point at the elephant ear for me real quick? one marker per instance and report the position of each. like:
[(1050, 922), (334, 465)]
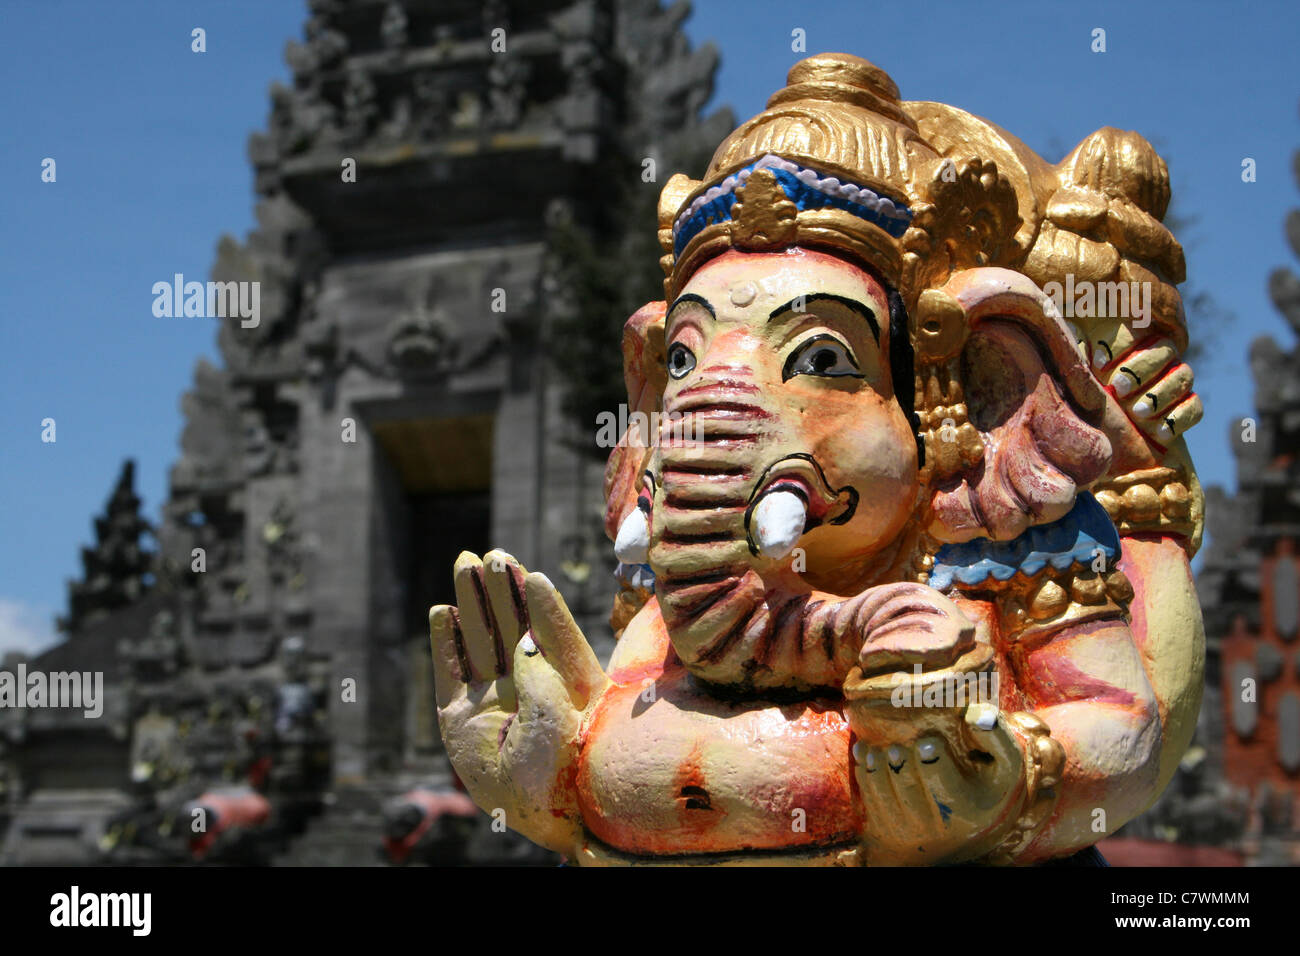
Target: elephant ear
[(645, 373), (1028, 395)]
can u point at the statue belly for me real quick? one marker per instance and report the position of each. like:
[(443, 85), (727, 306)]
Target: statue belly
[(688, 773)]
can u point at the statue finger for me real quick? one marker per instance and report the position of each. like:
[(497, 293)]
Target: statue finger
[(1111, 340), (1162, 392), (912, 785), (1174, 422), (914, 817), (868, 767), (560, 639), (478, 627), (450, 666), (969, 795), (1140, 366), (948, 784), (951, 783), (504, 578)]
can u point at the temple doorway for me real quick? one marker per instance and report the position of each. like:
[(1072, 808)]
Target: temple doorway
[(444, 466)]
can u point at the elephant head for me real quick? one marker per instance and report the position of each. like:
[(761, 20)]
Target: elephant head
[(846, 377)]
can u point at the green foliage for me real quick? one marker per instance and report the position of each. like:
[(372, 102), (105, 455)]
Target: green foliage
[(603, 272)]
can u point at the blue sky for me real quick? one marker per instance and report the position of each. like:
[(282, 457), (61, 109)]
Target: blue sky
[(149, 140)]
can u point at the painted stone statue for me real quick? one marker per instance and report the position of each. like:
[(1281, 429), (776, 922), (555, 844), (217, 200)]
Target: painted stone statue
[(903, 529)]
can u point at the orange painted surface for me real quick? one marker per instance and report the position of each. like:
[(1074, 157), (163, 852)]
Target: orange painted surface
[(680, 775)]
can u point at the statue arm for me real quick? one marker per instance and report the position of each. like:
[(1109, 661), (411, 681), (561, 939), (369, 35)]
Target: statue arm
[(1087, 683), (1153, 496), (1166, 616), (1156, 502)]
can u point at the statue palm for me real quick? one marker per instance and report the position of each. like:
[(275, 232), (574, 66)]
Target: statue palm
[(515, 679)]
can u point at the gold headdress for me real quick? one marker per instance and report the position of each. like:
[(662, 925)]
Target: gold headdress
[(836, 162)]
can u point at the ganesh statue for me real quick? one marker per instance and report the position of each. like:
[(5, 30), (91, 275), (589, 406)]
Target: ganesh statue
[(904, 560)]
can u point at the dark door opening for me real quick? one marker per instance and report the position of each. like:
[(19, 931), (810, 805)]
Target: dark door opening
[(441, 527)]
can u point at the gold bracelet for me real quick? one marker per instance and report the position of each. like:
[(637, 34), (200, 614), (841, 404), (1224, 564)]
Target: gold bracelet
[(1148, 500), (1044, 762)]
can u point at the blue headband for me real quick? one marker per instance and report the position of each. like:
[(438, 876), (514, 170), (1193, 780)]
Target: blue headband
[(804, 187)]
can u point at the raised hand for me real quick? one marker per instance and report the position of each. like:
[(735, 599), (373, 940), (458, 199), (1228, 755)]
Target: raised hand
[(1153, 386), (515, 678)]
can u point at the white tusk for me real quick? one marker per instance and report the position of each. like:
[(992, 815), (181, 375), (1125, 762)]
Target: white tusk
[(632, 546), (778, 522)]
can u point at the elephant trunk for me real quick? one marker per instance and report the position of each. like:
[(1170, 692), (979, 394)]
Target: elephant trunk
[(721, 525)]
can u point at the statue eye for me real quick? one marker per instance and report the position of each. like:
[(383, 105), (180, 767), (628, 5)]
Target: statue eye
[(821, 355), (680, 360)]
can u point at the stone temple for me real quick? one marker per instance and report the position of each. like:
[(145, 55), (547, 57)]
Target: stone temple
[(426, 191), (456, 205)]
